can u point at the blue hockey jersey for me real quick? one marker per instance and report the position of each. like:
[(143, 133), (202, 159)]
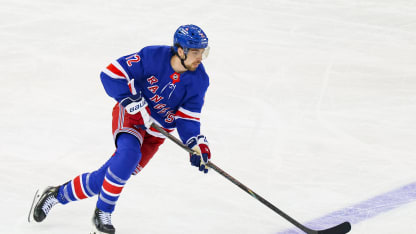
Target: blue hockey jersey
[(175, 100)]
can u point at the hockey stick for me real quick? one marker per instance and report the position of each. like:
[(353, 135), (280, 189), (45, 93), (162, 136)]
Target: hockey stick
[(338, 229)]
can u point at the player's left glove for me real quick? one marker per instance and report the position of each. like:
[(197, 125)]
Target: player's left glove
[(137, 107), (201, 158)]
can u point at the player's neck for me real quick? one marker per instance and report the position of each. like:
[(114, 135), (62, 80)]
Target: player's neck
[(176, 64)]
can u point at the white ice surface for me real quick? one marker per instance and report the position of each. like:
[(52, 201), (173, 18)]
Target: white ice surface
[(312, 104)]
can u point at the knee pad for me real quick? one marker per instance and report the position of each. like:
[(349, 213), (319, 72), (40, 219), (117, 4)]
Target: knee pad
[(127, 156)]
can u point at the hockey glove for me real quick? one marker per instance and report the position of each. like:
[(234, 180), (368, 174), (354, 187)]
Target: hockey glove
[(137, 107), (201, 158)]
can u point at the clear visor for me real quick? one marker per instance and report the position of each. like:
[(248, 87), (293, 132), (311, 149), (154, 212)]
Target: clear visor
[(205, 53), (195, 53)]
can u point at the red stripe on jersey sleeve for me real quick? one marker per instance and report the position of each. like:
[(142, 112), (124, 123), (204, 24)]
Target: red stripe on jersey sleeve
[(115, 70), (185, 116)]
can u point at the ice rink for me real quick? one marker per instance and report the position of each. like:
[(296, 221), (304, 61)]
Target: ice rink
[(312, 104)]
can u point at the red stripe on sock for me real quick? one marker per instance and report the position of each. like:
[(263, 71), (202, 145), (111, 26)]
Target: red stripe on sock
[(111, 188), (78, 189)]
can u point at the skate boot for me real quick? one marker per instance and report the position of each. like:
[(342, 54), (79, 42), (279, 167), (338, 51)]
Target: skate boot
[(44, 202), (102, 222)]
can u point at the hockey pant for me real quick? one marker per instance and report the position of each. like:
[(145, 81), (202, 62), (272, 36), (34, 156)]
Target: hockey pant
[(132, 154)]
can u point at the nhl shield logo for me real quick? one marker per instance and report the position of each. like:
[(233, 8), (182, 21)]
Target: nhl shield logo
[(175, 77)]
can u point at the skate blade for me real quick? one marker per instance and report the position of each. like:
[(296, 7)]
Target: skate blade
[(95, 231), (32, 207)]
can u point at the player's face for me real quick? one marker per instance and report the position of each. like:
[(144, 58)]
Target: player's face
[(194, 58)]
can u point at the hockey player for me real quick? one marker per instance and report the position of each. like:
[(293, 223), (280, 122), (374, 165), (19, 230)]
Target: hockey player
[(164, 85)]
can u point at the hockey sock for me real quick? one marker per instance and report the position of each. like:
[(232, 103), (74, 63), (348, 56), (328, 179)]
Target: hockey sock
[(120, 168), (76, 189)]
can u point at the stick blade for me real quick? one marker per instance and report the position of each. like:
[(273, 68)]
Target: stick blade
[(339, 229)]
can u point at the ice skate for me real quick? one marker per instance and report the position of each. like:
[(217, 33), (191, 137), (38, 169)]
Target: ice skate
[(43, 203), (102, 223)]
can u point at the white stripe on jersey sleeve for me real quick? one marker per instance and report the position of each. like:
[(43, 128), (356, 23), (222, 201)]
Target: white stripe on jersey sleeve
[(119, 67), (186, 114), (111, 74), (132, 88)]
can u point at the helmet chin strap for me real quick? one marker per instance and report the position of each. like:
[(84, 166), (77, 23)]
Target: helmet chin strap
[(183, 60)]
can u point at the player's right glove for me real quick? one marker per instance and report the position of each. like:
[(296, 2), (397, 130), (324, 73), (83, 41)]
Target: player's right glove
[(137, 107), (203, 154)]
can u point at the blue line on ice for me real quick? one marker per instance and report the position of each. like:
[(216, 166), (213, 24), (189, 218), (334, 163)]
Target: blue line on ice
[(364, 210)]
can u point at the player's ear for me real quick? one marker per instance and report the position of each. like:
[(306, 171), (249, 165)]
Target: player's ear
[(181, 53)]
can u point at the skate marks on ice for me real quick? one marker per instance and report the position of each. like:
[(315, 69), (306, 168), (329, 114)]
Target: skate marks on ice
[(366, 209)]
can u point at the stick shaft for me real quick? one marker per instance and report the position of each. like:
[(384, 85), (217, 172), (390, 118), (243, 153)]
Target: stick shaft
[(236, 182), (259, 198)]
